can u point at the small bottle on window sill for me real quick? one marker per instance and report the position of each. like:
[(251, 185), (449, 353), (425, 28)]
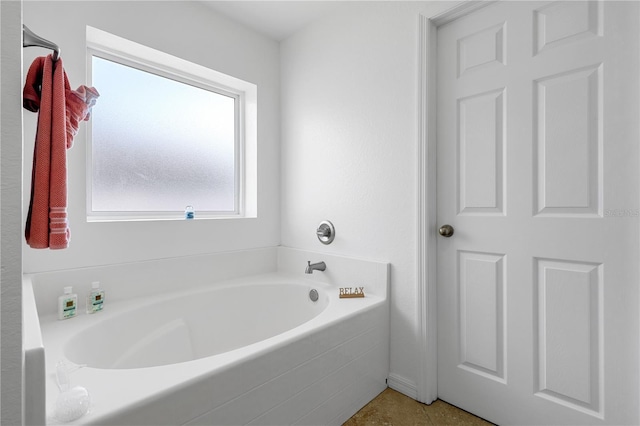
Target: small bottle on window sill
[(189, 212)]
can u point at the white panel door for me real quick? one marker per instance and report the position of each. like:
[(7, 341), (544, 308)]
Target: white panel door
[(538, 170)]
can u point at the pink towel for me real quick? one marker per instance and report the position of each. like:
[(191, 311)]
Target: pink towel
[(60, 111)]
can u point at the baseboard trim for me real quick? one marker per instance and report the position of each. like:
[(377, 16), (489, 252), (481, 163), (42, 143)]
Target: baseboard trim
[(402, 385)]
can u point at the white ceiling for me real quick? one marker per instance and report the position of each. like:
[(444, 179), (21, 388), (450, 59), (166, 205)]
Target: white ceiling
[(275, 19)]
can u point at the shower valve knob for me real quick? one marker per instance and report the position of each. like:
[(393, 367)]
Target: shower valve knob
[(326, 232), (323, 232)]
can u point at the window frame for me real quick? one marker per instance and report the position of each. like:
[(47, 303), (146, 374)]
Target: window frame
[(127, 53)]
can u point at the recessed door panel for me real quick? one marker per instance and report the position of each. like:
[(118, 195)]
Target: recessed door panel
[(569, 332), (481, 153), (569, 143), (560, 23), (482, 49), (481, 290)]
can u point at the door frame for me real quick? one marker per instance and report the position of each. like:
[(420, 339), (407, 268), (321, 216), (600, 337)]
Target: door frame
[(426, 251)]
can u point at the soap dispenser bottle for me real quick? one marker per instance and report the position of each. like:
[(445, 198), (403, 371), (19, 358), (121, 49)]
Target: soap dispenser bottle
[(95, 298), (67, 304)]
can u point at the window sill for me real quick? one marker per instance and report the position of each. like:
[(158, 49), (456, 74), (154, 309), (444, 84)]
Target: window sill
[(102, 219)]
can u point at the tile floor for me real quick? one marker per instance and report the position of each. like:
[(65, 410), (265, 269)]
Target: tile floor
[(391, 408)]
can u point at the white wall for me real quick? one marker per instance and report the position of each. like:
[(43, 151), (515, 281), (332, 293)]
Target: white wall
[(349, 145), (349, 91), (190, 31), (10, 216)]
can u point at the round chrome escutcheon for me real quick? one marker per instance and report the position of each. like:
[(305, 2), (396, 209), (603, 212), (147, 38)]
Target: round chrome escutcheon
[(313, 295)]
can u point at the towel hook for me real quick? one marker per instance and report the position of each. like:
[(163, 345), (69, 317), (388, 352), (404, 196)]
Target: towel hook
[(29, 39)]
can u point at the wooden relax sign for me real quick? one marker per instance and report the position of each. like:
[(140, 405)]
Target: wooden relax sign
[(350, 292)]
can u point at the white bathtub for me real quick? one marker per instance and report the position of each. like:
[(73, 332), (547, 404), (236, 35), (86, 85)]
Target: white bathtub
[(177, 328), (251, 350)]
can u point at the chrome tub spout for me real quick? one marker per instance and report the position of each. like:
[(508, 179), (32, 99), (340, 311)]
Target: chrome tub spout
[(319, 266)]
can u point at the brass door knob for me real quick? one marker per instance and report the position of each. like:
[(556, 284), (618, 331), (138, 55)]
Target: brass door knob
[(446, 230)]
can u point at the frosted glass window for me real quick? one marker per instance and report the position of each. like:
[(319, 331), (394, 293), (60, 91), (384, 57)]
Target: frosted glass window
[(159, 144)]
